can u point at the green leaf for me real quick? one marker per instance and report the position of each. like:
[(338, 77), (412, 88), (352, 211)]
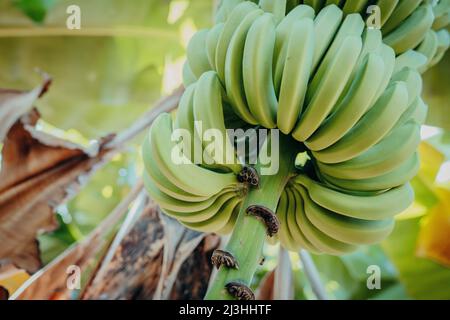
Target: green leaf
[(422, 278), (345, 277), (436, 93), (35, 9)]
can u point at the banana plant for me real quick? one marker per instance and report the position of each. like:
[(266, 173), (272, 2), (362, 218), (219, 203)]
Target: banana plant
[(344, 111)]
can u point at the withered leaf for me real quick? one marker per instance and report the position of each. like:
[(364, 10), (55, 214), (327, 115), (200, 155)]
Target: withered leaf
[(14, 104), (195, 272), (156, 259), (133, 272), (266, 286), (4, 294), (38, 173), (51, 281)]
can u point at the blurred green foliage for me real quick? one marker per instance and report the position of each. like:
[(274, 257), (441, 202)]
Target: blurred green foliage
[(35, 9)]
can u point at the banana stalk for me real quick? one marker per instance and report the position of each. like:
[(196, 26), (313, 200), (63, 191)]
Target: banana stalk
[(248, 237)]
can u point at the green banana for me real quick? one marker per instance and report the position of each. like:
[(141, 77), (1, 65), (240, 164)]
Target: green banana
[(295, 206), (283, 33), (234, 81), (218, 221), (315, 4), (321, 101), (187, 176), (383, 157), (428, 48), (346, 229), (443, 44), (196, 53), (410, 59), (377, 206), (387, 8), (188, 76), (352, 107), (326, 23), (412, 31), (354, 6), (397, 177), (284, 235), (319, 239), (277, 8), (167, 202), (442, 14), (257, 70), (237, 15), (371, 128), (402, 11), (211, 43), (297, 69), (208, 93)]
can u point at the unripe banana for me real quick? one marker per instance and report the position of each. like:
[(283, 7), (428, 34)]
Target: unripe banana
[(186, 176), (377, 206), (326, 23), (397, 177), (410, 59), (352, 107), (218, 221), (383, 157), (197, 54), (321, 100), (211, 43), (343, 228), (233, 68), (297, 70), (412, 31), (443, 44), (354, 6), (208, 93), (371, 128), (284, 31), (257, 70), (387, 8), (277, 8), (442, 14), (402, 11), (320, 240), (428, 48), (236, 16)]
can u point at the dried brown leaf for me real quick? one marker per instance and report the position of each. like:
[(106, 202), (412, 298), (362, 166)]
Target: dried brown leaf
[(192, 279), (157, 259), (265, 289), (39, 172), (133, 272), (51, 281), (4, 294), (14, 104)]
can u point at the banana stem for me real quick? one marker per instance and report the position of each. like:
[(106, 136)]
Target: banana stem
[(248, 237)]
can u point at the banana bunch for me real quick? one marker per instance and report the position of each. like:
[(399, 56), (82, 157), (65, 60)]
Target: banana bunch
[(323, 220), (200, 198), (406, 24), (332, 85)]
